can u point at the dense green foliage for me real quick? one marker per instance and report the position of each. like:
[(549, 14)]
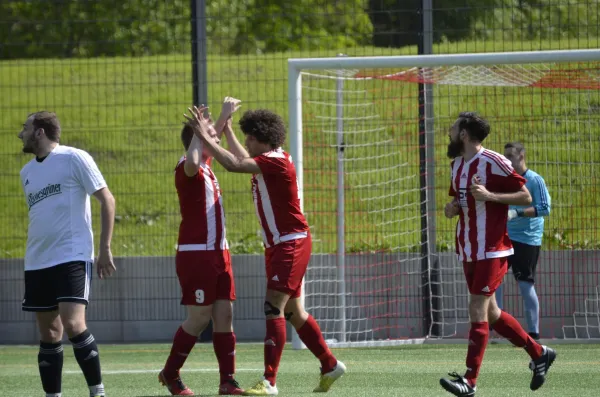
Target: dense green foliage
[(84, 28)]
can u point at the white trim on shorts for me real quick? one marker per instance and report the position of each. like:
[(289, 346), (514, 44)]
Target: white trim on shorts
[(200, 247), (86, 288)]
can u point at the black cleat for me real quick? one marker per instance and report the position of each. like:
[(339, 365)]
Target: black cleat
[(458, 386), (540, 367)]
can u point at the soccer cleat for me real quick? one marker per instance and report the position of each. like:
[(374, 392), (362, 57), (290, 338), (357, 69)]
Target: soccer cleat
[(540, 367), (459, 386), (262, 388), (327, 379), (230, 388), (175, 386)]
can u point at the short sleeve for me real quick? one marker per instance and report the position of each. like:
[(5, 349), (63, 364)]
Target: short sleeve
[(180, 176), (513, 182), (271, 164), (87, 173), (505, 182), (23, 184)]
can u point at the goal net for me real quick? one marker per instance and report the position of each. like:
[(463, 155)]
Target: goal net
[(370, 135)]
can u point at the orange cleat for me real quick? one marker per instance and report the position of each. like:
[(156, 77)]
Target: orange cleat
[(231, 388), (175, 385)]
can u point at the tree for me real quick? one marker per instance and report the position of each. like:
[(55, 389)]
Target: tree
[(280, 25), (71, 28), (398, 23)]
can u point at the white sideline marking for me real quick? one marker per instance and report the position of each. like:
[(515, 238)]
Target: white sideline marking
[(155, 371)]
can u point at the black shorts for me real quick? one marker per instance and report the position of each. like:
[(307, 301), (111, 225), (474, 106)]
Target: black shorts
[(524, 261), (67, 282)]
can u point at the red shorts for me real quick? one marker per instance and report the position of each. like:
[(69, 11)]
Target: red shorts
[(286, 265), (204, 276), (485, 276)]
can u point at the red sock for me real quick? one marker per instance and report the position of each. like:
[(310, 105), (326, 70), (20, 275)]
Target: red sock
[(274, 342), (478, 339), (311, 335), (224, 345), (509, 327), (182, 346)]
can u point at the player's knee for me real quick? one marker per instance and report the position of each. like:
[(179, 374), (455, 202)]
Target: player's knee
[(222, 320), (493, 314), (223, 317), (271, 310), (296, 319), (195, 324), (52, 333), (494, 311), (478, 308), (73, 326)]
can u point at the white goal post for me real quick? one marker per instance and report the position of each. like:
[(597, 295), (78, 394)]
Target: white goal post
[(341, 102)]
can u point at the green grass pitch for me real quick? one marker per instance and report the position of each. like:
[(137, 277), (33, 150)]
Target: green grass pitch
[(130, 370)]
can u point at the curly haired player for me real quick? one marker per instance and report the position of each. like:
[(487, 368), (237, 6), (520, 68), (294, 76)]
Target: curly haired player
[(286, 238)]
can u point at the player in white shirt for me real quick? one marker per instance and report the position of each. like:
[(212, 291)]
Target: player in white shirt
[(58, 184)]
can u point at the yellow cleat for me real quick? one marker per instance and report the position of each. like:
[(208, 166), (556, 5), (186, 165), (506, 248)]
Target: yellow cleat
[(327, 379), (262, 388)]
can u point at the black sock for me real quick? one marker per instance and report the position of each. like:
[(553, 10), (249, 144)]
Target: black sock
[(50, 363), (86, 353)]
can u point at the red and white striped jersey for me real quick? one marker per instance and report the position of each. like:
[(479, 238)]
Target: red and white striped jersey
[(202, 225), (481, 230), (275, 193)]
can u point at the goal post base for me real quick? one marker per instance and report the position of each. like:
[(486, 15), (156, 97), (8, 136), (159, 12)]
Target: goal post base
[(376, 343), (499, 341), (448, 341)]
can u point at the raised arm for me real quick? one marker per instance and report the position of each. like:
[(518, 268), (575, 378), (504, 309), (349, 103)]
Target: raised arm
[(235, 146), (229, 107), (193, 157), (228, 160)]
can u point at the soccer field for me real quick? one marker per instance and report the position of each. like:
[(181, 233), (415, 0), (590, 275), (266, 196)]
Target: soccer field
[(130, 370)]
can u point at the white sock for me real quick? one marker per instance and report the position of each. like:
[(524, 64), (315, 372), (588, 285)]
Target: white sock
[(97, 390), (53, 394)]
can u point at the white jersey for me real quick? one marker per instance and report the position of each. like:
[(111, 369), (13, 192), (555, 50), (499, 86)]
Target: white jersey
[(57, 191)]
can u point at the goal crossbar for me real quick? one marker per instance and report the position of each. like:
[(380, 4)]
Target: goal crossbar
[(295, 65)]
